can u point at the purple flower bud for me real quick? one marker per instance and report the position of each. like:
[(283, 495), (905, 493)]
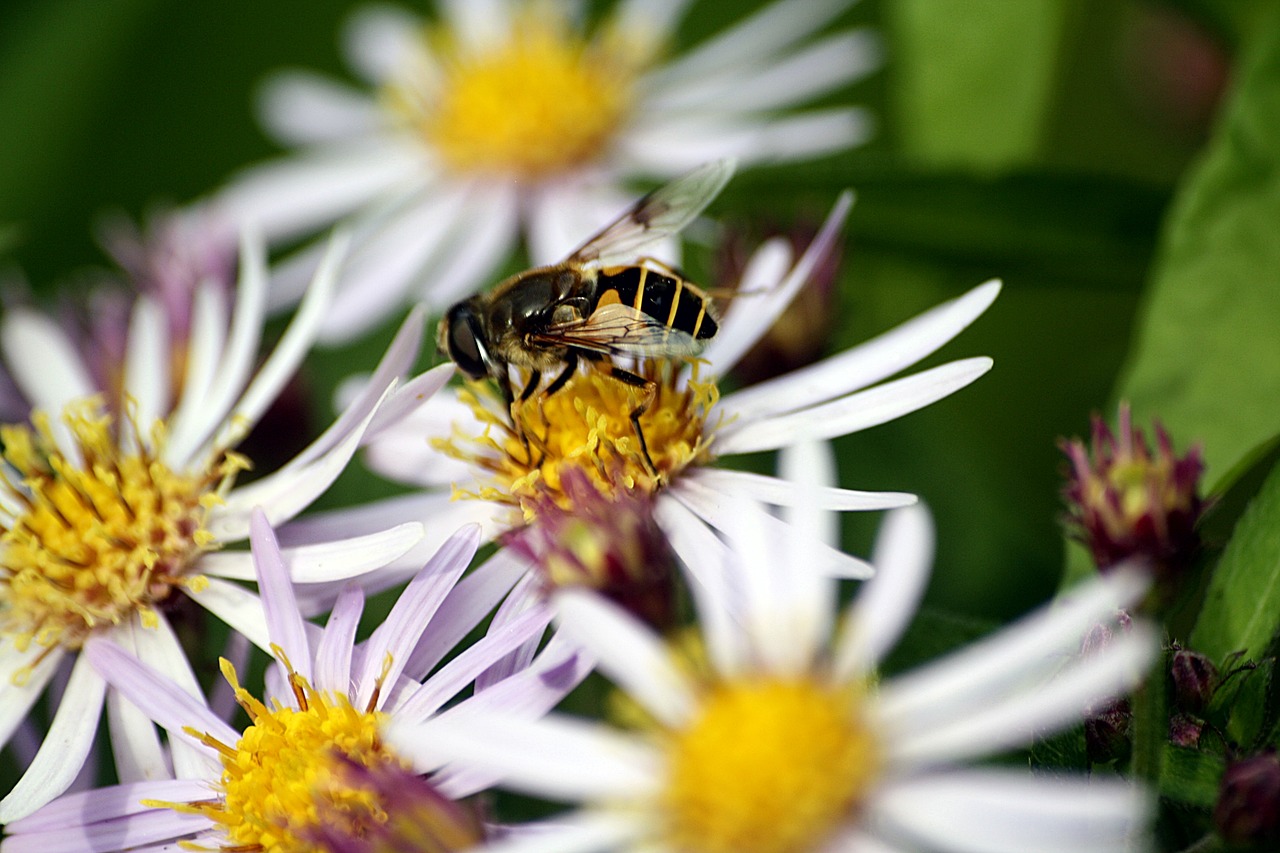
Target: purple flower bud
[(1194, 680), (1248, 809)]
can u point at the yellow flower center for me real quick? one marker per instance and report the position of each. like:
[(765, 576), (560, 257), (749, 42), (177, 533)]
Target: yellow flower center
[(542, 101), (291, 776), (95, 536), (768, 765), (586, 426)]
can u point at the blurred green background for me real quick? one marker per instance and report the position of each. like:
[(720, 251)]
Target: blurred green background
[(1039, 141)]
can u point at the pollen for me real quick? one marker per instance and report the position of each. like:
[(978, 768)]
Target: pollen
[(586, 426), (543, 101), (95, 526), (283, 781), (768, 765)]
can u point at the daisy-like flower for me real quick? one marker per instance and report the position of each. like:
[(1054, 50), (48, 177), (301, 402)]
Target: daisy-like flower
[(585, 427), (106, 514), (510, 115), (784, 740), (306, 772)]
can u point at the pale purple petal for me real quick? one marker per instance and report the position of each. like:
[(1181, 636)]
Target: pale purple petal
[(135, 743), (525, 595), (110, 836), (333, 653), (284, 621), (65, 746), (90, 807)]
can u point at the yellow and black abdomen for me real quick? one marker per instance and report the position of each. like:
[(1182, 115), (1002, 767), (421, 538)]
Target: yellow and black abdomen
[(669, 299)]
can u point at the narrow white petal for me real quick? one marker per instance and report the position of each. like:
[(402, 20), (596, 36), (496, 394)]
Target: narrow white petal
[(648, 21), (769, 31), (324, 561), (579, 832), (412, 613), (854, 412), (469, 602), (65, 746), (886, 604), (236, 606), (865, 364), (333, 654), (42, 361), (751, 315), (712, 506), (284, 621), (706, 560), (485, 234), (146, 366), (564, 215), (480, 25), (937, 691), (409, 397), (300, 108), (283, 362), (1004, 722), (560, 758), (236, 360), (1004, 811), (160, 649), (16, 701), (135, 743), (453, 677), (378, 39), (807, 73), (778, 492), (204, 360), (631, 655), (293, 196)]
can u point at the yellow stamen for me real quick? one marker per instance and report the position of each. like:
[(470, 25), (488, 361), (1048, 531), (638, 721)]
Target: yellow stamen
[(545, 100), (770, 765), (586, 426), (93, 537)]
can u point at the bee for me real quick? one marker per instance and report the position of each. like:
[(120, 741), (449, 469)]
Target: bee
[(605, 300)]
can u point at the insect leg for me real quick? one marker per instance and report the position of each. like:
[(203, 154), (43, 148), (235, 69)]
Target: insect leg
[(570, 365), (650, 391), (535, 377)]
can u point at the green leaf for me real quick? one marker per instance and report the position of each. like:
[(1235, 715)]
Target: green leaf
[(1241, 610), (1190, 776), (1206, 351)]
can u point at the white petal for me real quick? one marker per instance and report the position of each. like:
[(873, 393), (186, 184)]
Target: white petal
[(748, 318), (135, 743), (631, 655), (284, 621), (1009, 811), (283, 362), (564, 215), (65, 746), (299, 108), (854, 412), (236, 606), (579, 832), (325, 561), (807, 73), (146, 366), (484, 235), (480, 25), (16, 701), (713, 507), (160, 649), (555, 757), (204, 360), (865, 364), (43, 362), (886, 604), (379, 39), (409, 617), (235, 363), (333, 654), (647, 22), (746, 44), (1004, 722), (291, 197), (409, 397), (937, 691), (779, 492)]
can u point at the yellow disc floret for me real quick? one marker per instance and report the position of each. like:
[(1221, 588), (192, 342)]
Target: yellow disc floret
[(543, 100), (586, 426), (95, 526), (768, 765), (283, 779)]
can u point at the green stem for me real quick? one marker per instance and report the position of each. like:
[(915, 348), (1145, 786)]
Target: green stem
[(1151, 724)]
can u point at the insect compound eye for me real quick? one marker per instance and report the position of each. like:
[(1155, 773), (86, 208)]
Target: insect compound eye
[(462, 341)]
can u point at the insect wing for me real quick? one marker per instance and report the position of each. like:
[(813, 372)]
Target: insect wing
[(618, 329), (661, 213)]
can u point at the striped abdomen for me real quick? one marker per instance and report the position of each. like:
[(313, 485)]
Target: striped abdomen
[(673, 301)]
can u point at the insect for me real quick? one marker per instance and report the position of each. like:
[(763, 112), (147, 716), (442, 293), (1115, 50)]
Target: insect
[(605, 300)]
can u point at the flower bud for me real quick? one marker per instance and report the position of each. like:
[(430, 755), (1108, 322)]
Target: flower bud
[(1248, 809), (1194, 680)]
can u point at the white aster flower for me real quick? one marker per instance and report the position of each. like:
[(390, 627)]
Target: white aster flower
[(508, 115), (465, 440), (784, 741), (105, 514), (293, 776)]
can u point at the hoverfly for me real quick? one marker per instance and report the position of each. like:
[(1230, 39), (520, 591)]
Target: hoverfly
[(606, 299)]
